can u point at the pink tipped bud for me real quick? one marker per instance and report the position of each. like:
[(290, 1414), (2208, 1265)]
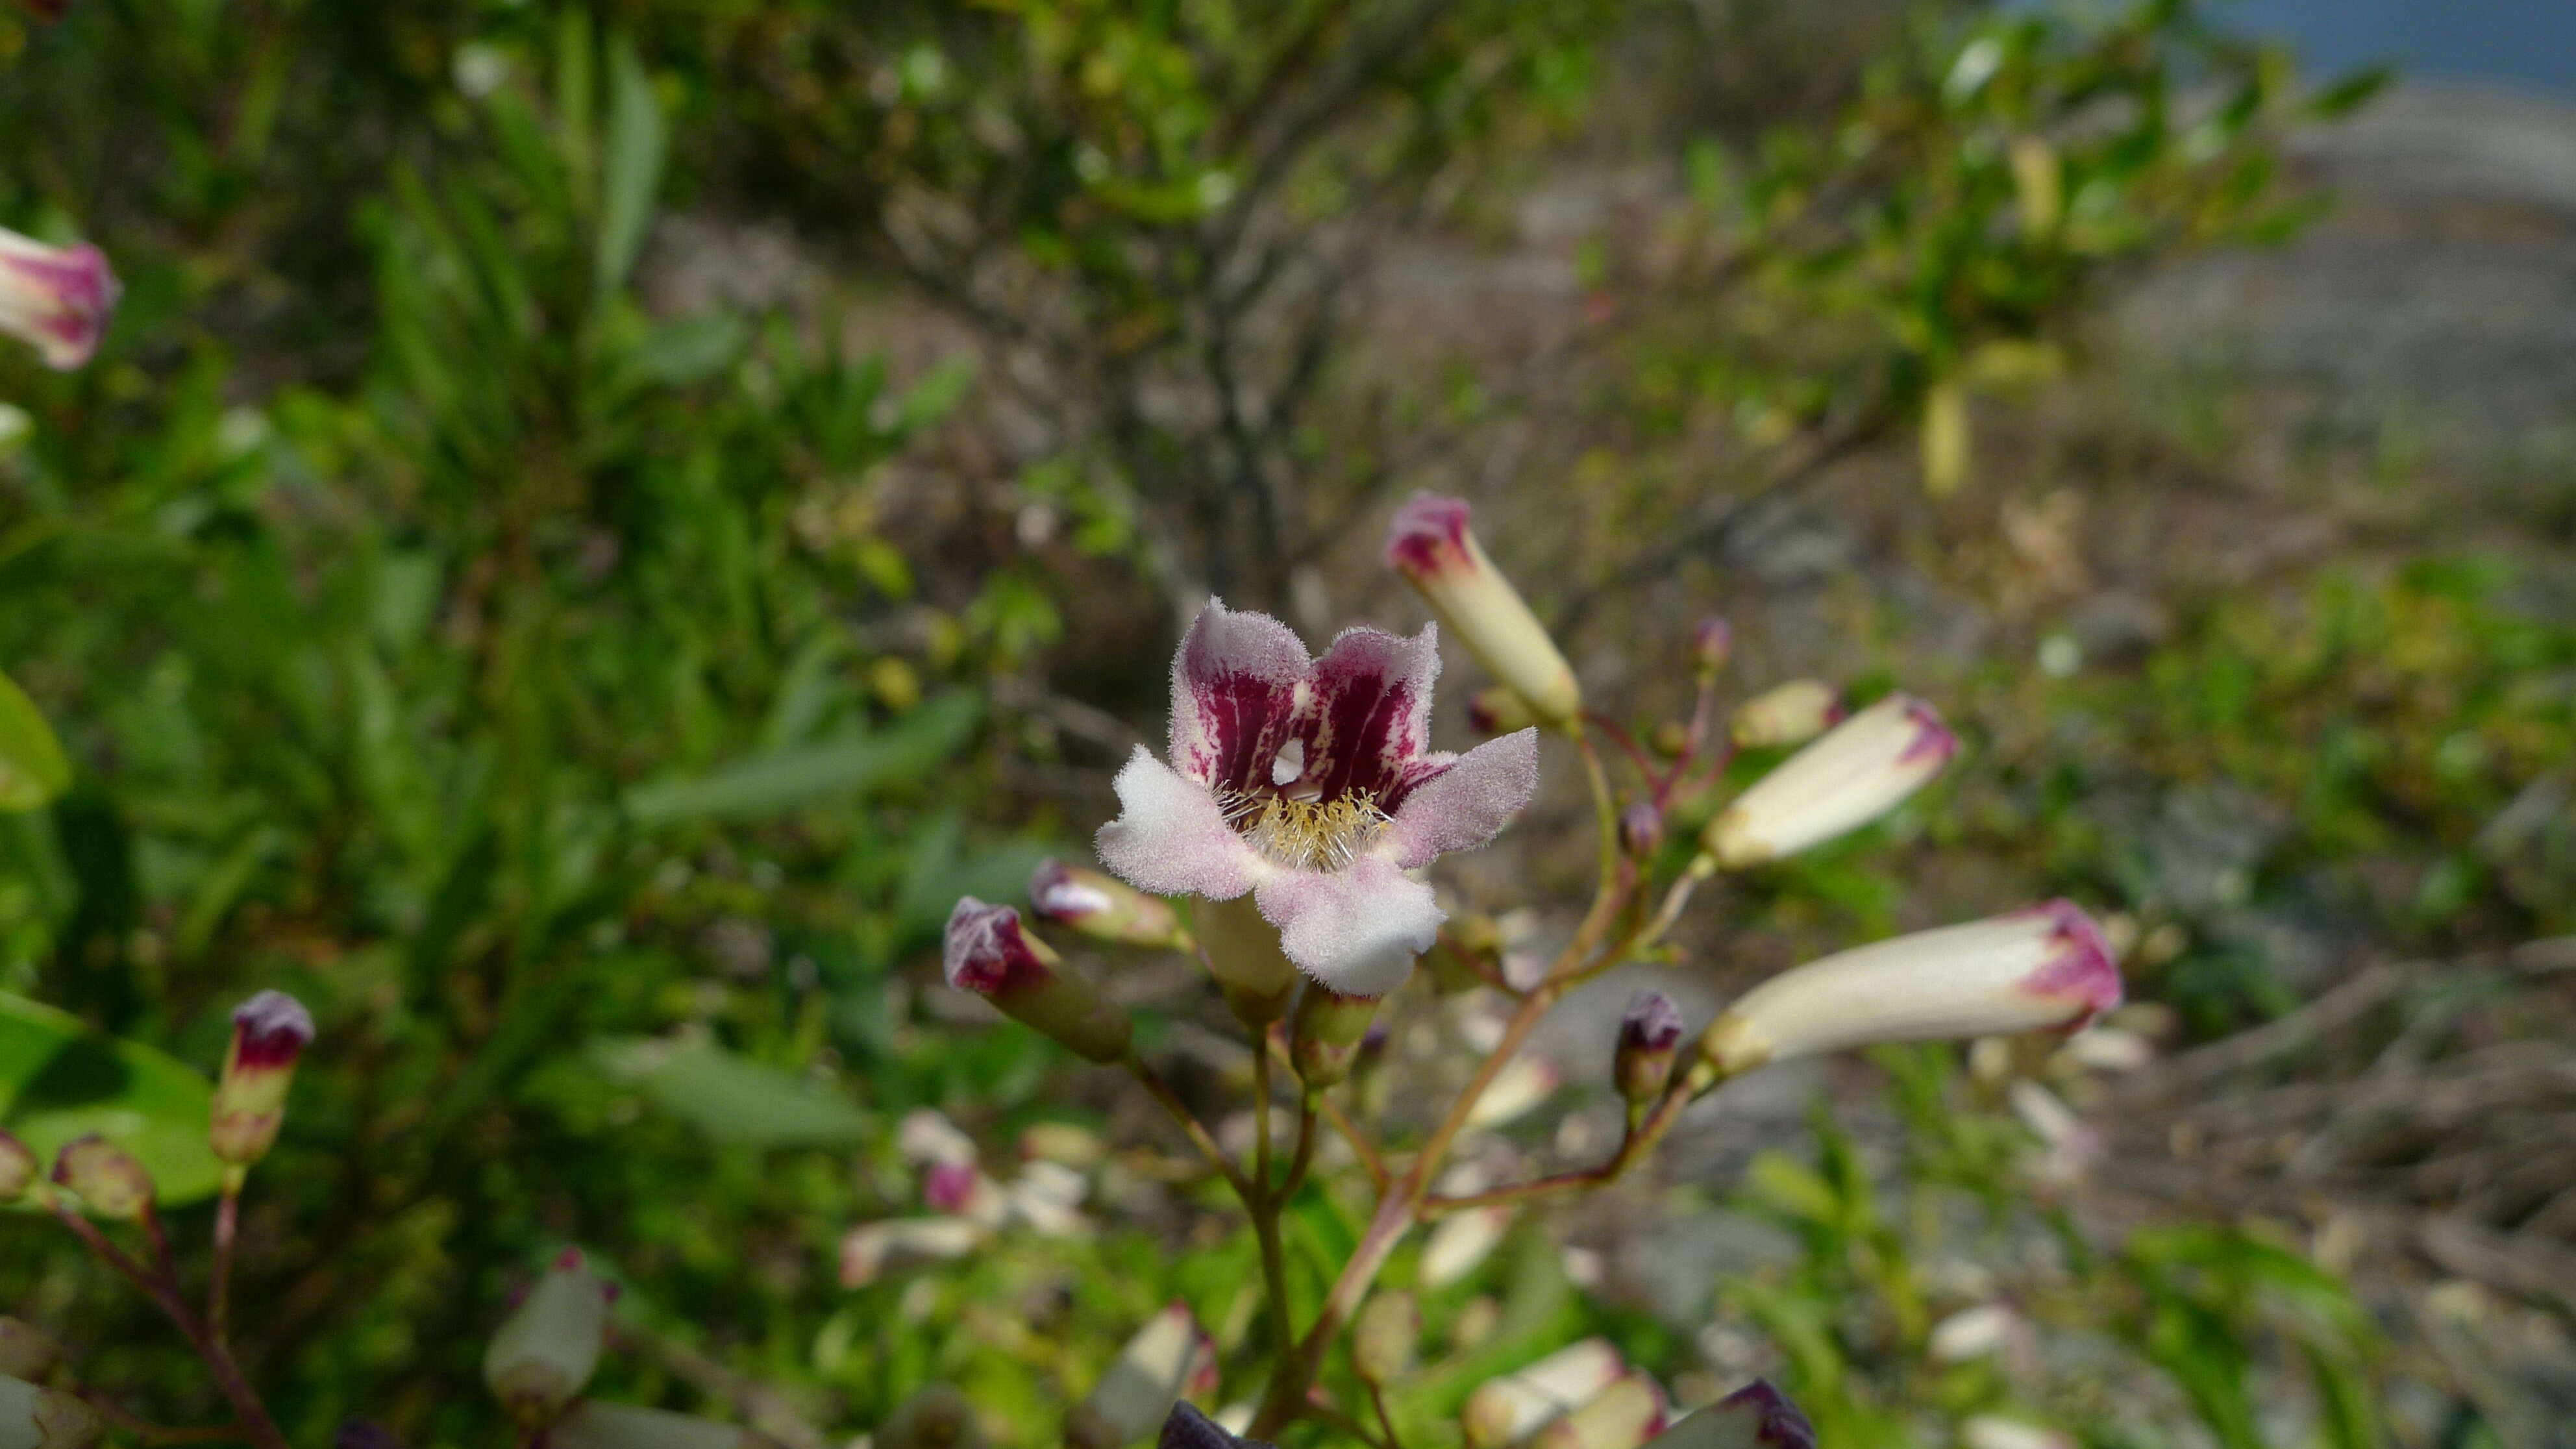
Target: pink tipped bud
[(1327, 1033), (57, 298), (18, 1168), (1641, 829), (1103, 907), (1384, 1337), (1650, 1035), (1508, 1409), (1756, 1416), (105, 1177), (1787, 714), (270, 1031), (960, 1189), (989, 954), (546, 1350), (1495, 710), (1712, 644), (1625, 1415), (1148, 1377), (1992, 1431), (1860, 770), (26, 1351), (938, 1417), (1431, 543), (2040, 968), (39, 1418)]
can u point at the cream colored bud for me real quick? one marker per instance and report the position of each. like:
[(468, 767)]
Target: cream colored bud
[(1148, 1377), (1505, 1410), (1104, 907), (107, 1179), (2043, 967), (1430, 542), (1859, 770), (545, 1351), (1625, 1415), (1787, 714), (1462, 1241), (40, 1418), (1385, 1336)]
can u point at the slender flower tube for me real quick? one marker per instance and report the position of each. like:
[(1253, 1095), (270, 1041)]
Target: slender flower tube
[(1787, 714), (1650, 1034), (105, 1177), (593, 1424), (1432, 543), (270, 1031), (1756, 1416), (1149, 1376), (57, 298), (1505, 1410), (1104, 907), (1629, 1412), (1860, 770), (18, 1168), (40, 1418), (1310, 784), (989, 954), (1244, 954), (2047, 966), (547, 1349)]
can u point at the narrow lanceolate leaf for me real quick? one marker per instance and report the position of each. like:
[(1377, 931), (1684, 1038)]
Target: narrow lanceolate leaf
[(633, 171), (33, 769), (784, 780)]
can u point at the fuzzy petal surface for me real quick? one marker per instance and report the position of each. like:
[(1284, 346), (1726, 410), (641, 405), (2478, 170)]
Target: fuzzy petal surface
[(1355, 930), (1467, 803), (1171, 839)]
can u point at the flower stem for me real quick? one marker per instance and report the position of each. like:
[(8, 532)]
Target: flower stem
[(1162, 1092), (219, 1292), (1265, 1206), (163, 1289)]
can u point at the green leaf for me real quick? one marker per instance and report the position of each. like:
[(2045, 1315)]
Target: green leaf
[(59, 1080), (784, 780), (732, 1099), (32, 767), (634, 166)]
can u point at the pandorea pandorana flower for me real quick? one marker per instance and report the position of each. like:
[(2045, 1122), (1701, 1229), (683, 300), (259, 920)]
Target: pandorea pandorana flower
[(1310, 783), (2047, 966), (57, 298)]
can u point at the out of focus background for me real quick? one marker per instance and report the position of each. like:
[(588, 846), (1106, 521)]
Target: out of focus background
[(593, 526)]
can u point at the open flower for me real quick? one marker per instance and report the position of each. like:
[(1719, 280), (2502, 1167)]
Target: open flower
[(57, 298), (1310, 783)]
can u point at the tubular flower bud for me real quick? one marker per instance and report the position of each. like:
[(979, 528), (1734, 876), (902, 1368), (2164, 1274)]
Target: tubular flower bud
[(1860, 770), (989, 954), (1992, 1431), (57, 298), (40, 1418), (1712, 644), (1327, 1034), (960, 1189), (592, 1424), (1650, 1034), (18, 1167), (1104, 907), (2042, 967), (1641, 829), (1507, 1409), (1384, 1337), (1787, 714), (25, 1351), (1431, 543), (1244, 954), (1626, 1414), (545, 1351), (1150, 1375), (1462, 1241), (270, 1031), (938, 1417), (105, 1177), (1495, 710), (1756, 1416)]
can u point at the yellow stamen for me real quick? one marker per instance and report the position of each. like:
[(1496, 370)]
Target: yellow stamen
[(1308, 834)]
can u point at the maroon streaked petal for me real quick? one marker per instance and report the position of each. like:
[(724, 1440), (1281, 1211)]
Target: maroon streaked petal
[(986, 951), (270, 1030), (1234, 695), (1171, 838), (1464, 805), (1371, 711)]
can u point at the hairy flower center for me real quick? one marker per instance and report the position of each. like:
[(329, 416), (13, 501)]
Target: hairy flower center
[(1307, 834)]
